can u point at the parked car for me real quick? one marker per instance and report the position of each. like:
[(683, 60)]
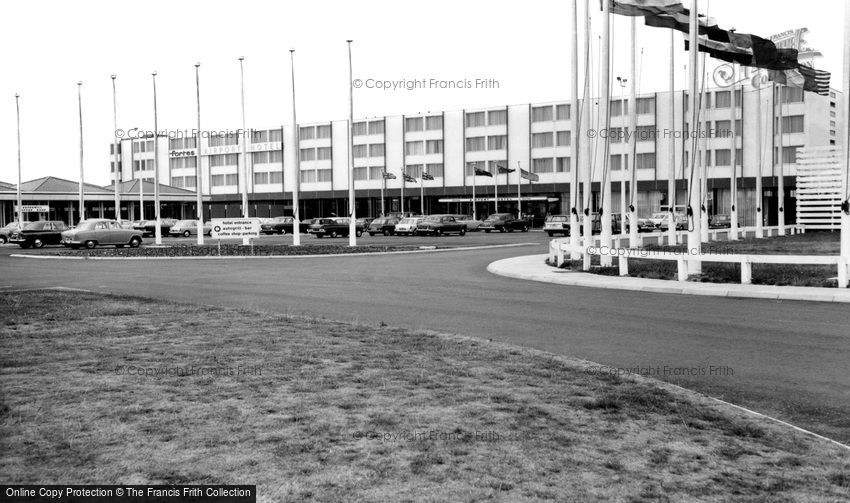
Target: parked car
[(681, 220), (188, 228), (148, 227), (644, 224), (364, 222), (721, 221), (278, 225), (472, 225), (6, 231), (407, 226), (557, 224), (503, 222), (658, 218), (98, 232), (38, 234), (333, 227), (383, 225), (439, 225)]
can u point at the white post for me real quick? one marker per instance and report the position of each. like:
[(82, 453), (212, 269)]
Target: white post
[(605, 103), (703, 157), (243, 141), (82, 170), (519, 195), (141, 181), (575, 140), (116, 177), (352, 217), (421, 195), (694, 265), (19, 198), (845, 175), (780, 180), (672, 236), (199, 199), (296, 178), (496, 191), (474, 208), (588, 145), (733, 178), (156, 208), (760, 160), (634, 239)]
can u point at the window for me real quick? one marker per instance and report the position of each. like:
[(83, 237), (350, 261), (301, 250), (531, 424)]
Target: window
[(435, 170), (723, 157), (182, 162), (414, 124), (376, 172), (541, 140), (564, 139), (308, 176), (275, 157), (646, 133), (414, 170), (616, 162), (308, 154), (792, 94), (562, 112), (562, 165), (376, 127), (323, 131), (217, 180), (706, 100), (275, 135), (324, 154), (723, 99), (143, 165), (190, 182), (359, 129), (361, 151), (259, 137), (307, 133), (493, 166), (376, 150), (231, 179), (541, 114), (499, 142), (261, 178), (475, 144), (617, 134), (177, 144), (434, 147), (276, 177), (645, 161), (619, 107), (434, 122), (793, 124), (497, 117), (475, 119), (414, 148), (222, 140), (789, 154), (224, 160), (324, 175), (645, 106), (542, 165), (260, 157), (361, 173), (177, 181)]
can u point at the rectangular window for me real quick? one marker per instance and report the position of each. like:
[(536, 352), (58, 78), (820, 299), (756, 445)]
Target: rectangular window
[(617, 134), (435, 170), (792, 94), (324, 154), (646, 133), (231, 179), (542, 165), (261, 178), (361, 173), (723, 157), (562, 112), (497, 117), (434, 147), (414, 170), (275, 157), (224, 160), (645, 161), (260, 157), (475, 119), (359, 129), (308, 176), (376, 127), (616, 162), (541, 114), (323, 131), (276, 177), (307, 133), (260, 137), (179, 143), (414, 148), (275, 135), (645, 106), (361, 151), (619, 107), (793, 124), (177, 181), (217, 180), (498, 142), (475, 144), (414, 124), (434, 123), (190, 182), (376, 150), (563, 165), (789, 154), (182, 162), (376, 172), (324, 175), (541, 140), (564, 139), (723, 99), (308, 154)]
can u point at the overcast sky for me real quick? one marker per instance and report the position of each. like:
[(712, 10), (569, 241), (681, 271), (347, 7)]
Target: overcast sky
[(524, 46)]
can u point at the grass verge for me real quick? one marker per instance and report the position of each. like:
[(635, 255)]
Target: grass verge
[(228, 250), (125, 390)]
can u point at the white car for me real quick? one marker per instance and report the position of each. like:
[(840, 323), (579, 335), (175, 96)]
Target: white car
[(407, 226)]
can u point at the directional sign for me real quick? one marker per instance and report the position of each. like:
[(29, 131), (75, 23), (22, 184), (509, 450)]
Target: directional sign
[(235, 228), (34, 208)]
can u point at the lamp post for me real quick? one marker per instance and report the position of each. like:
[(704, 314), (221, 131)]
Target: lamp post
[(623, 83), (296, 179), (156, 208), (199, 202), (117, 172)]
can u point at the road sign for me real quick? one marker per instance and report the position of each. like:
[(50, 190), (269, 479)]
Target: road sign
[(34, 208), (235, 228)]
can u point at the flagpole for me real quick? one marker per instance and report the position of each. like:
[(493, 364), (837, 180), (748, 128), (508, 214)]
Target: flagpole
[(518, 190), (575, 140), (694, 214), (422, 195), (845, 173), (352, 217), (199, 199), (733, 180), (780, 181), (704, 165), (602, 144), (156, 208), (672, 236), (474, 208), (296, 179), (18, 195), (634, 239), (116, 174), (760, 145), (243, 140), (383, 188), (82, 201), (496, 191), (588, 145), (141, 181)]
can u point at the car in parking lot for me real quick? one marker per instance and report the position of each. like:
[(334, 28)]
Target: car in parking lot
[(440, 225), (333, 227), (364, 222), (278, 225), (148, 227), (503, 222), (680, 218), (407, 226), (644, 224), (99, 232), (472, 224), (188, 228), (383, 225), (557, 224), (38, 234), (6, 231), (720, 221)]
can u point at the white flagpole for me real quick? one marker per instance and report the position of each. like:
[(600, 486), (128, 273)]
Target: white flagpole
[(576, 135), (141, 181), (733, 179), (605, 98), (496, 191), (518, 190), (695, 197), (704, 155), (296, 178), (82, 197), (474, 208), (780, 181), (116, 176), (634, 239), (199, 198), (156, 208), (845, 173), (245, 137), (19, 197), (352, 224), (759, 188), (672, 236), (586, 118), (421, 195)]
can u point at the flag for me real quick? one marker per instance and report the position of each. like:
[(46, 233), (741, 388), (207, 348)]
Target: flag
[(681, 21), (644, 7), (747, 50), (389, 176), (408, 178), (529, 176), (427, 176), (804, 77), (481, 172), (505, 170)]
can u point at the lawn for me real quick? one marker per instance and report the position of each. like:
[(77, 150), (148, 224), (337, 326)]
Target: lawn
[(104, 389)]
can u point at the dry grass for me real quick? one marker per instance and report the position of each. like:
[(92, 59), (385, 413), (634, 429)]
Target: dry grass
[(323, 416)]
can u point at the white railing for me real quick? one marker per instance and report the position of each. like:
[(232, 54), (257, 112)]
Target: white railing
[(560, 250)]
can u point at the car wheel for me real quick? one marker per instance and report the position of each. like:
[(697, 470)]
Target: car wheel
[(386, 232), (438, 232), (186, 234), (333, 234), (37, 243), (135, 242), (487, 231), (358, 233), (91, 245), (282, 232), (551, 234), (502, 229), (3, 240), (463, 231), (524, 228)]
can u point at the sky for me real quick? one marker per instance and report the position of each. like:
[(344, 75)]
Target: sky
[(519, 50)]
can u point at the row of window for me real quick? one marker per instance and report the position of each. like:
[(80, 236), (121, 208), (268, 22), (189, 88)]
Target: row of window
[(143, 165), (270, 135), (315, 132), (270, 157), (373, 150), (316, 154), (266, 177), (482, 143), (188, 182), (181, 143), (491, 118), (432, 123), (224, 180), (643, 161), (372, 127), (549, 139), (316, 175), (183, 162), (421, 148)]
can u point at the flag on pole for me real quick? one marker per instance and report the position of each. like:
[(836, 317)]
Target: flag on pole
[(748, 50), (408, 178), (504, 170), (804, 77), (636, 8), (481, 172), (528, 175), (388, 176), (427, 176)]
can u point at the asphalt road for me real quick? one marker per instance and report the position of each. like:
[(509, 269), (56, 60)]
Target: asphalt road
[(783, 358)]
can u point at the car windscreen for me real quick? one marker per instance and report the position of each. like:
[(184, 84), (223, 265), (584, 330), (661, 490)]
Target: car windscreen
[(34, 226), (557, 218), (433, 219)]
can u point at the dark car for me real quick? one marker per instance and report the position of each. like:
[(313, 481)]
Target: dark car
[(503, 222), (439, 225), (720, 222), (385, 226), (38, 234), (333, 227), (278, 225), (148, 227)]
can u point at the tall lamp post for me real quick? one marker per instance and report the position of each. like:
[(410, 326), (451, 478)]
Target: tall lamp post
[(19, 198), (117, 171), (352, 224), (82, 201), (623, 83), (199, 202), (156, 208), (296, 180)]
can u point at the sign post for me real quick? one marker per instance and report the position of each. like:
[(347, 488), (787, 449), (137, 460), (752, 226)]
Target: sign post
[(235, 228)]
